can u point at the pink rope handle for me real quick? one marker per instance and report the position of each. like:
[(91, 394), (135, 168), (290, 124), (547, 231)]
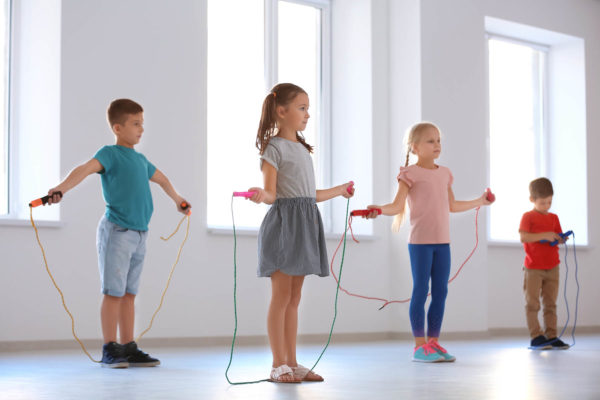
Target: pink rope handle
[(243, 194), (385, 301)]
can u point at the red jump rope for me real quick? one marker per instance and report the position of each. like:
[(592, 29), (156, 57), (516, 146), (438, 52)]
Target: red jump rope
[(489, 196)]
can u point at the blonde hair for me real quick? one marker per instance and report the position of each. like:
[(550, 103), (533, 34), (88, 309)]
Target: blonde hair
[(412, 137)]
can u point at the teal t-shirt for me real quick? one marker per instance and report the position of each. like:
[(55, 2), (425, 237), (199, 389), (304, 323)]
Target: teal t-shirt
[(126, 186)]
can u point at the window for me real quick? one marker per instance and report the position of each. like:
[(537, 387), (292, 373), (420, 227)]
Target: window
[(30, 114), (518, 137), (537, 125), (273, 41), (4, 90)]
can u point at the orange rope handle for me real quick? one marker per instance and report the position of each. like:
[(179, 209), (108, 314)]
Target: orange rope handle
[(162, 297), (62, 297)]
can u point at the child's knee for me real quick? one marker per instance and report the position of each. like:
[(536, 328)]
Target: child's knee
[(295, 299)]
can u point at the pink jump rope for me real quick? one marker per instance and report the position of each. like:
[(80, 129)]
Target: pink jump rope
[(490, 197)]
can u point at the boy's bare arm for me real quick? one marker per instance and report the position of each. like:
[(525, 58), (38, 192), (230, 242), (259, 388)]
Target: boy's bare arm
[(528, 237), (162, 180), (73, 179)]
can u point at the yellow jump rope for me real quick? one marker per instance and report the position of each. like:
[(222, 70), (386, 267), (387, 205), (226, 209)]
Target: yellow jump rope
[(44, 200)]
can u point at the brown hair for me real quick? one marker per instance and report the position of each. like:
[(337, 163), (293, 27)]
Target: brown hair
[(119, 109), (281, 95), (540, 188)]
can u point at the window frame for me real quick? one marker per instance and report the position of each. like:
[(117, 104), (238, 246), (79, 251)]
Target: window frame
[(27, 149), (6, 134), (541, 127), (271, 56)]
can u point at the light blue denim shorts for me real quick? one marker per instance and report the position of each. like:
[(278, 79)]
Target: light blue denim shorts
[(121, 254)]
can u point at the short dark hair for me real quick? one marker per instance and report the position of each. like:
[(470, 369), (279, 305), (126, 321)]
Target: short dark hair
[(119, 109), (540, 188)]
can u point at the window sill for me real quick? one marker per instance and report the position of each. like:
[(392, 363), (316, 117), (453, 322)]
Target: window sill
[(26, 222), (519, 245), (254, 232)]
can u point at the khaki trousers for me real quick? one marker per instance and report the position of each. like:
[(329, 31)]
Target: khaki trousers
[(541, 283)]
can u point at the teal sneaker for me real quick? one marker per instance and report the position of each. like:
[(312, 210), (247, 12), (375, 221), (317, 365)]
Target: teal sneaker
[(441, 351), (426, 353)]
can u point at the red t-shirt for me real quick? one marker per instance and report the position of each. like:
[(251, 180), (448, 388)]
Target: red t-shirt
[(540, 255)]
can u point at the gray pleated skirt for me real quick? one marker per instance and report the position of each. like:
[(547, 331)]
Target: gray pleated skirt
[(291, 239)]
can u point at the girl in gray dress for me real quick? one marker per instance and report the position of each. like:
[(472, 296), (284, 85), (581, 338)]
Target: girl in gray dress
[(291, 242)]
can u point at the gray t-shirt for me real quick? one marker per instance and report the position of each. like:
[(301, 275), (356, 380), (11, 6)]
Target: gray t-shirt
[(295, 173)]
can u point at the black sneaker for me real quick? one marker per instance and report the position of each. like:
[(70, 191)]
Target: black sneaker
[(112, 356), (558, 344), (137, 358), (540, 343)]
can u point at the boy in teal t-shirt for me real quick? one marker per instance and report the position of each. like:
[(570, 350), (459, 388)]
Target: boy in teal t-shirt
[(122, 230)]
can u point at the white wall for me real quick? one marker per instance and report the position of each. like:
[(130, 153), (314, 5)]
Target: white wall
[(155, 54), (489, 294)]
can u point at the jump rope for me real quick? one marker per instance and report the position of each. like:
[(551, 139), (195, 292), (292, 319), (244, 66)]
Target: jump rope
[(490, 197), (555, 243), (44, 200), (247, 195)]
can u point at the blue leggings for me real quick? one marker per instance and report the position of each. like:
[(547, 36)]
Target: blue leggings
[(428, 261)]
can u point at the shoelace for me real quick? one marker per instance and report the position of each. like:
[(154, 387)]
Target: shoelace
[(437, 346), (427, 349)]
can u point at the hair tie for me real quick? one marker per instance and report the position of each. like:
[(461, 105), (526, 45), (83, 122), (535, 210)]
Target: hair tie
[(274, 95)]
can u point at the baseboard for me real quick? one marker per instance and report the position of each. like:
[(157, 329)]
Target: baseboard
[(260, 340)]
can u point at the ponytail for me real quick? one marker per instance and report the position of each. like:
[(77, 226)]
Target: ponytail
[(267, 124)]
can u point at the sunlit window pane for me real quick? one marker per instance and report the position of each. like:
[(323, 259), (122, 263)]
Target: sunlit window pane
[(237, 85), (516, 132), (4, 63), (299, 61), (236, 88)]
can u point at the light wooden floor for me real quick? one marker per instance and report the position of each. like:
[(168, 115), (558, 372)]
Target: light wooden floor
[(501, 368)]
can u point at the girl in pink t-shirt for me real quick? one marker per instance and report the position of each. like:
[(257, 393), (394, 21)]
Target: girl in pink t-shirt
[(428, 188)]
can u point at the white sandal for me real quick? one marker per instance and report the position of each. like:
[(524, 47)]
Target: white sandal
[(277, 373), (302, 372)]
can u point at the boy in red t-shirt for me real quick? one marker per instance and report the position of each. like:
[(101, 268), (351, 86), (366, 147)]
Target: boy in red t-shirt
[(541, 265)]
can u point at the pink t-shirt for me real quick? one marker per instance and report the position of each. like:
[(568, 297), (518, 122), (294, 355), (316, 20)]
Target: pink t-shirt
[(428, 203)]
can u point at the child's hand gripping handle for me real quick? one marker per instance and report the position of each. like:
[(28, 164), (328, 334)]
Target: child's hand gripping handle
[(490, 196), (185, 206), (555, 242), (44, 200), (350, 188)]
